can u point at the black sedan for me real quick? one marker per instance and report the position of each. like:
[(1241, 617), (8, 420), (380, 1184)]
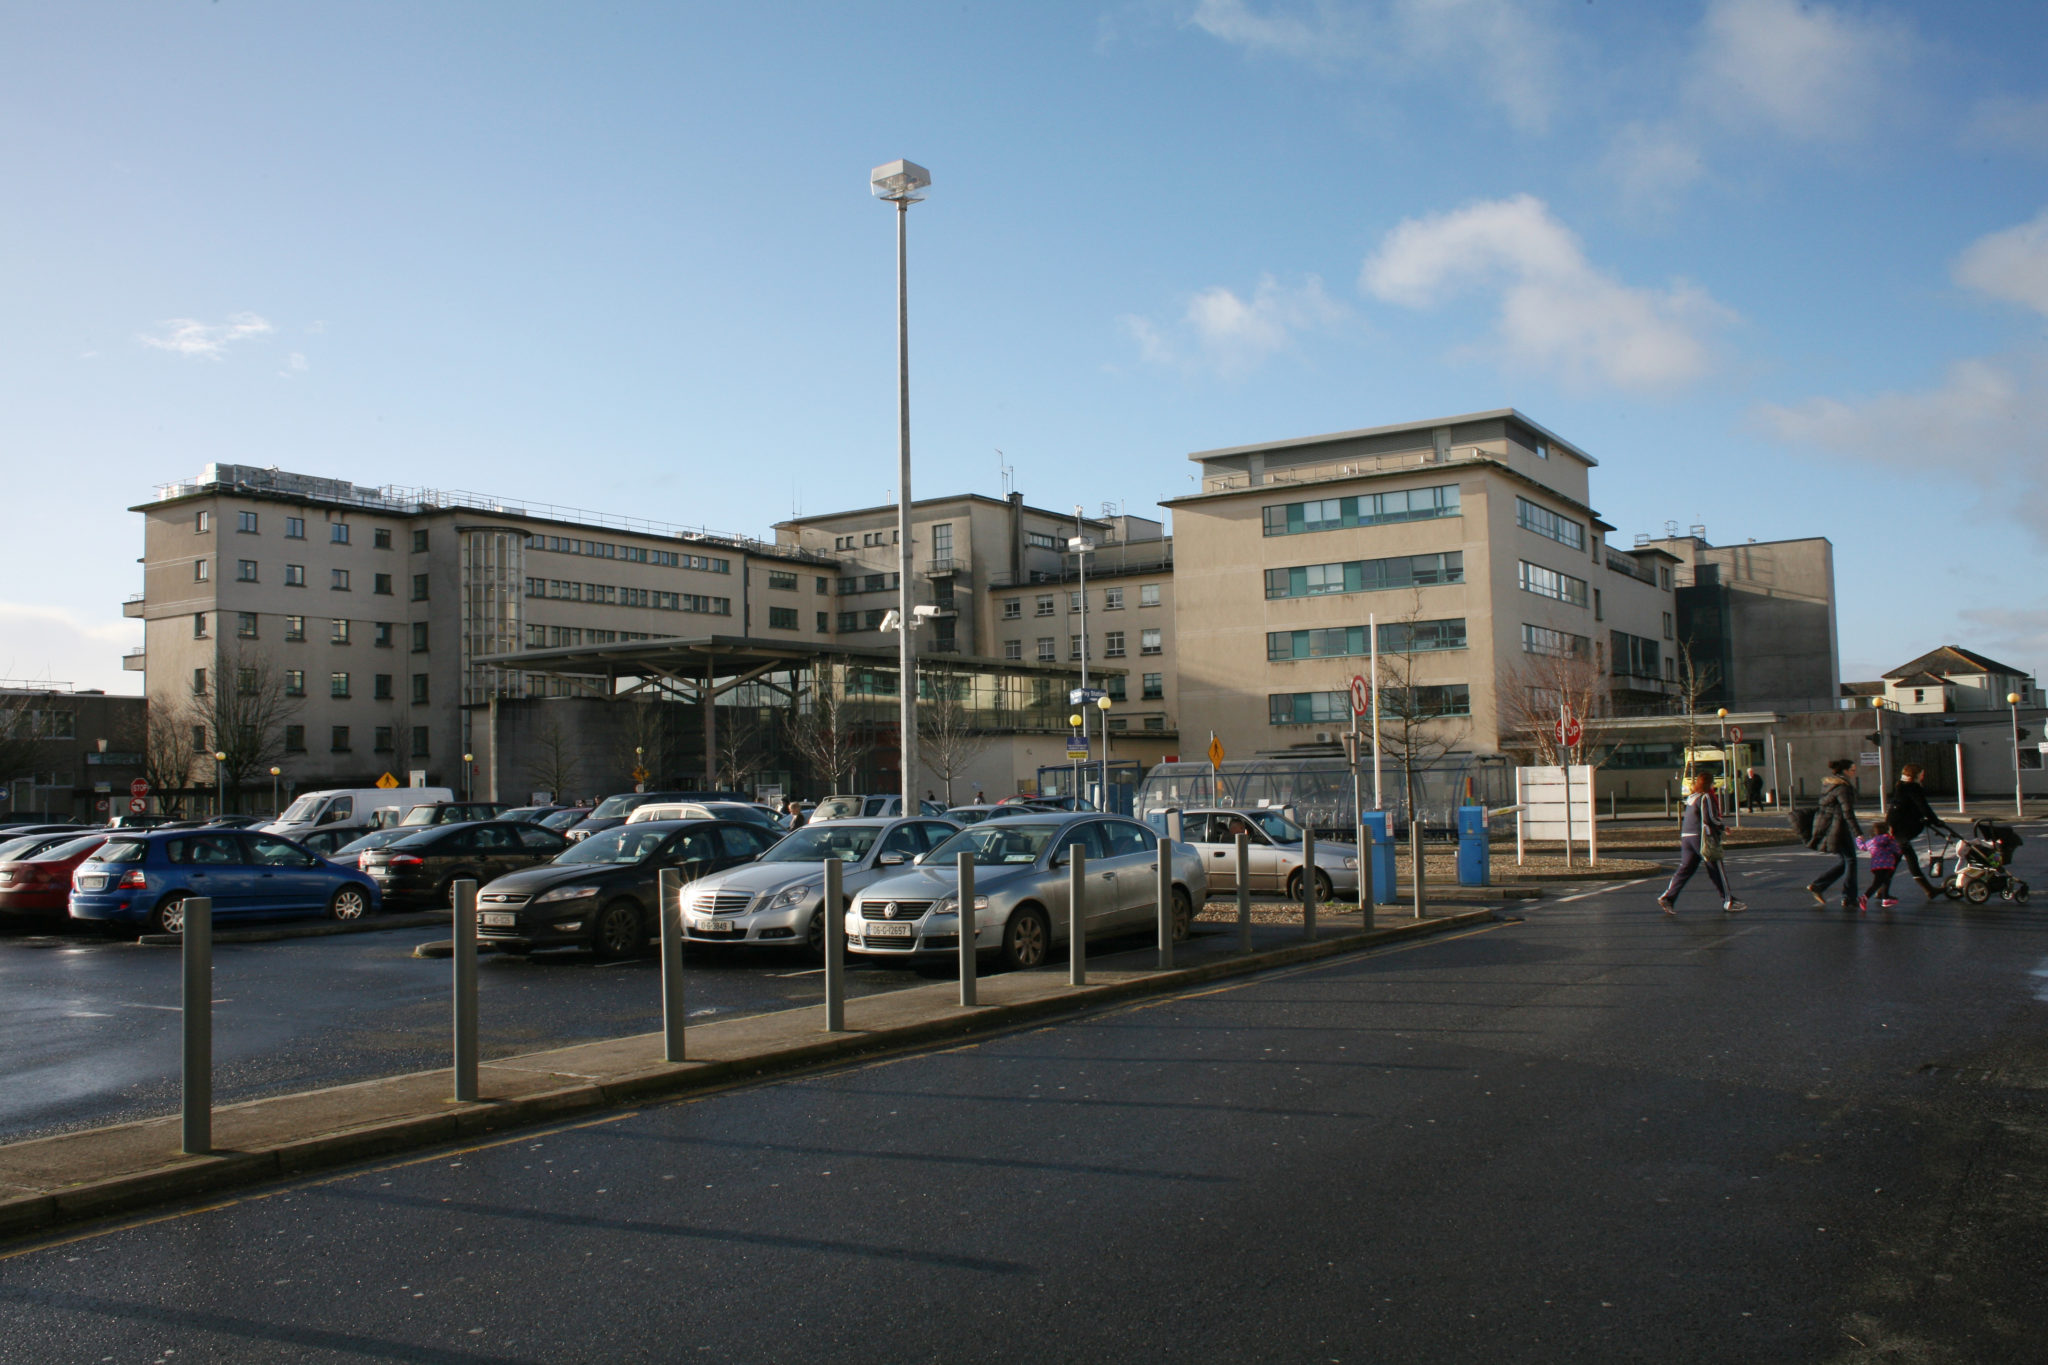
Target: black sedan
[(425, 866), (603, 893)]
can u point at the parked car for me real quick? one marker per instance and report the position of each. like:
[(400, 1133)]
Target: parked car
[(534, 815), (1273, 851), (974, 815), (611, 812), (779, 900), (325, 841), (145, 877), (237, 821), (563, 820), (350, 808), (1021, 910), (27, 845), (603, 892), (870, 808), (39, 883), (745, 811), (426, 864), (350, 854), (451, 813), (1072, 803)]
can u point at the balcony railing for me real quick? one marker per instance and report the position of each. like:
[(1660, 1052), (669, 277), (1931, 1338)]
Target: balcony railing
[(1347, 469), (132, 608), (940, 568), (132, 661)]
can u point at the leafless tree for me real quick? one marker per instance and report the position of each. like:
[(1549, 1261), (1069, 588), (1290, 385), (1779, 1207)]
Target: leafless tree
[(241, 715), (165, 745), (825, 730), (646, 735), (552, 765), (1417, 726), (740, 733), (1695, 681), (1533, 693), (946, 731)]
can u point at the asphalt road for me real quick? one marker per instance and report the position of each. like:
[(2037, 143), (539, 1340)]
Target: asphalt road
[(1595, 1134), (89, 1027)]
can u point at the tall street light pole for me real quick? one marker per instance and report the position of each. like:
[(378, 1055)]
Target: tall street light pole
[(1080, 545), (2019, 797), (220, 791), (899, 182)]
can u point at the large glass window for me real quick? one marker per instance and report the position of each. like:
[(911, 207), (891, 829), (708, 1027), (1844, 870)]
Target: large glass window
[(1636, 656), (1545, 522), (1550, 583), (1396, 637), (1558, 643), (1370, 509), (1324, 708), (1367, 575)]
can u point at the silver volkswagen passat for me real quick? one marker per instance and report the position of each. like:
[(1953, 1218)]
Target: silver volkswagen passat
[(1021, 874), (775, 901)]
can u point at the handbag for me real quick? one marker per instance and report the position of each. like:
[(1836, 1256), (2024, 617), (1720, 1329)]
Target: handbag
[(1710, 847)]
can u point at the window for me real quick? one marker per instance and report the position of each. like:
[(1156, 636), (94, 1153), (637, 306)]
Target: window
[(1543, 450), (1555, 643), (246, 521), (380, 687), (339, 580), (1550, 583), (419, 587), (295, 575), (380, 635), (942, 540), (381, 538), (1112, 599), (1410, 637), (1114, 686), (1919, 695), (337, 532), (824, 623), (1599, 607), (1636, 656), (536, 636), (295, 628), (295, 529), (1366, 575), (783, 618), (1148, 594), (245, 571), (1545, 522), (1117, 722), (1321, 708), (781, 581), (1148, 641), (1331, 642), (337, 684), (199, 625), (1113, 644), (199, 739), (201, 570), (1667, 625), (1155, 722), (382, 742), (1044, 605), (1370, 509), (419, 637), (1013, 649), (824, 587), (295, 739), (419, 542), (1013, 608), (202, 523), (849, 620), (1048, 650), (295, 682), (872, 618), (338, 632), (198, 682), (337, 739), (1039, 540), (1073, 646), (871, 538), (245, 625), (1074, 602), (419, 741), (1670, 669), (1155, 687), (381, 584), (419, 689)]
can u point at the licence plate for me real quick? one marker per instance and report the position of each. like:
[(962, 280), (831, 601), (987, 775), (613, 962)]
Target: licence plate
[(493, 921), (882, 928), (91, 883), (711, 924)]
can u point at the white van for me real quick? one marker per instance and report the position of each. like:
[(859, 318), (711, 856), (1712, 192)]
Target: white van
[(351, 808)]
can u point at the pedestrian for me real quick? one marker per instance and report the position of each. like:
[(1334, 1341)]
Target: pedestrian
[(979, 799), (1883, 851), (1699, 841), (1752, 791), (1910, 814), (1835, 832), (794, 812)]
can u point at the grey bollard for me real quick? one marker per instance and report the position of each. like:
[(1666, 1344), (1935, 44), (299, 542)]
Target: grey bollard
[(1366, 890), (1077, 916), (833, 908), (1415, 853), (669, 901), (196, 1009), (1308, 882), (1165, 892), (1244, 893), (968, 961), (465, 990)]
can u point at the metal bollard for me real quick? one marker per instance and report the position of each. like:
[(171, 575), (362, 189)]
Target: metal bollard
[(1077, 916), (1165, 904), (196, 1007), (670, 899), (1366, 889), (1244, 893), (968, 963), (465, 990), (1415, 853), (1308, 882), (834, 910)]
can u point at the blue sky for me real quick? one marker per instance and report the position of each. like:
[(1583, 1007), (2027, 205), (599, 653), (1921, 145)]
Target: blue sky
[(1782, 267)]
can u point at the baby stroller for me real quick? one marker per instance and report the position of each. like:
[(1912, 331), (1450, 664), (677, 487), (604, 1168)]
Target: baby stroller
[(1982, 865)]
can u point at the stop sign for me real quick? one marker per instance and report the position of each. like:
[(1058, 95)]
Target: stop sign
[(1569, 731), (138, 789)]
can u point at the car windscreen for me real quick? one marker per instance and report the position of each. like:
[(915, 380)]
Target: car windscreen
[(614, 807), (626, 844), (967, 815), (837, 808), (374, 839), (996, 845), (419, 838), (816, 843), (70, 848), (420, 815), (300, 810), (121, 851), (562, 819)]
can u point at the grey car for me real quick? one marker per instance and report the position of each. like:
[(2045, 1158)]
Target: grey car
[(777, 901), (1273, 852), (1021, 889)]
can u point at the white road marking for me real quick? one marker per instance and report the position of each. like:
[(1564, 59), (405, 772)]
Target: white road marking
[(2042, 972), (812, 972), (1603, 890)]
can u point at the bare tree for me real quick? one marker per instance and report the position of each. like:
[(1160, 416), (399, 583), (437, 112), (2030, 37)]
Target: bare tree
[(553, 765), (1695, 681), (1537, 689), (946, 732), (646, 735), (165, 745), (824, 729), (241, 716), (1419, 723), (740, 733)]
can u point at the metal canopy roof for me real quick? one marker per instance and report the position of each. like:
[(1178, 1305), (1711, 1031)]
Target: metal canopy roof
[(695, 656)]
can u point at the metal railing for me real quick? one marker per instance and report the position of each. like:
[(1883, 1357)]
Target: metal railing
[(1345, 469)]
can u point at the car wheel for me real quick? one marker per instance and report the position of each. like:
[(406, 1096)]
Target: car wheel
[(444, 894), (619, 932), (1027, 939), (1977, 893), (348, 902), (168, 917), (814, 936), (1183, 915), (1325, 893)]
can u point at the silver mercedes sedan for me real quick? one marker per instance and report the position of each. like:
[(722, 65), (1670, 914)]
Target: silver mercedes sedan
[(1021, 872), (776, 900)]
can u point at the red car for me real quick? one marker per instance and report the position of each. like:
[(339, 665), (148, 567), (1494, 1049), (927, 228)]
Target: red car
[(38, 883)]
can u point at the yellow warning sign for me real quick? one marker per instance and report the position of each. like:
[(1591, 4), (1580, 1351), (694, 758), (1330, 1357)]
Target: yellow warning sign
[(1215, 752), (387, 782)]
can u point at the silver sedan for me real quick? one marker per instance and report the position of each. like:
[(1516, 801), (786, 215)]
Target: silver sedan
[(1022, 871), (1273, 852)]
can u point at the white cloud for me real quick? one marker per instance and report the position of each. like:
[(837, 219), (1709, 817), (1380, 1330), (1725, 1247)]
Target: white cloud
[(1652, 165), (1814, 72), (294, 366), (2009, 123), (45, 644), (1228, 334), (2011, 265), (205, 340), (1323, 32), (1558, 312)]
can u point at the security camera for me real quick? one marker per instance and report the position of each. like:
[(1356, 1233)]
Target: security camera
[(924, 613), (891, 621)]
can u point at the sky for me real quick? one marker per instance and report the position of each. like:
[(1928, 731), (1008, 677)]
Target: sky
[(1781, 267)]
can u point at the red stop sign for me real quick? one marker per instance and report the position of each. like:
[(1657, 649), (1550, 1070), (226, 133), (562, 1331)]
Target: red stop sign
[(1569, 731), (138, 789)]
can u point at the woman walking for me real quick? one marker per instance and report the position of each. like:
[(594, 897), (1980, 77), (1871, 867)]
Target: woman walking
[(1910, 814), (1699, 841), (1835, 831)]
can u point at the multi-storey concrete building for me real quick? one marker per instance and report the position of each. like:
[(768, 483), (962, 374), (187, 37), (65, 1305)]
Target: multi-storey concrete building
[(66, 754), (1759, 619)]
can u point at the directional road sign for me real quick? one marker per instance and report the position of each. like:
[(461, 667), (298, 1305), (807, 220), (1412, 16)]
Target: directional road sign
[(1085, 696), (1361, 696)]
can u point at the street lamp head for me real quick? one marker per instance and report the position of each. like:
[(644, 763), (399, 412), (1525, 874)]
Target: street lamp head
[(102, 743), (899, 182), (469, 758), (1722, 713), (219, 757), (277, 772), (1102, 703), (2012, 699), (1080, 545), (1074, 719)]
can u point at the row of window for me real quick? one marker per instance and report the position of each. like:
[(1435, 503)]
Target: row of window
[(612, 594), (1396, 637), (632, 554), (1325, 708), (338, 532), (1560, 587), (1545, 522), (249, 681), (1366, 575), (1113, 646), (339, 580), (1046, 603), (340, 630), (339, 739), (870, 539), (1561, 644), (1367, 509), (873, 582)]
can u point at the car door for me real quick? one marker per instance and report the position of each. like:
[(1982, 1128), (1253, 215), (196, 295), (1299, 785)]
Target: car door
[(1270, 864), (739, 844), (1212, 835), (495, 851), (1134, 856), (216, 867), (285, 876), (905, 841), (540, 845), (691, 852), (1101, 890)]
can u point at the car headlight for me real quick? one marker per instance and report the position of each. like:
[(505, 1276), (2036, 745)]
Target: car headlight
[(1351, 864), (566, 893), (950, 905), (793, 895)]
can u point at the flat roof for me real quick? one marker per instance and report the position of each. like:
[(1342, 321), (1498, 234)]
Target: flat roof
[(1495, 414), (935, 502), (690, 656)]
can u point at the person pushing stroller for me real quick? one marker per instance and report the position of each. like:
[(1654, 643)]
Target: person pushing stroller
[(1910, 814)]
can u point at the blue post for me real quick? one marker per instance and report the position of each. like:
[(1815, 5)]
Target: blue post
[(1474, 855), (1382, 857)]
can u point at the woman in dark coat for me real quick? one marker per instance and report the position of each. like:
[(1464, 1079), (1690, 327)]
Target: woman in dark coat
[(1835, 831), (1910, 815)]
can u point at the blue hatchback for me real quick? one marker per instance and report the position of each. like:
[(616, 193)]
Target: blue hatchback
[(143, 878)]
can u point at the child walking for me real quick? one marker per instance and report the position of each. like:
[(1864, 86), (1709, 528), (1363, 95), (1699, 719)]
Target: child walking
[(1883, 851)]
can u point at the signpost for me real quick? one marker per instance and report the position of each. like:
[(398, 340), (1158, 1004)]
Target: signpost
[(386, 782), (1735, 733), (1361, 702), (137, 805), (1215, 768)]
